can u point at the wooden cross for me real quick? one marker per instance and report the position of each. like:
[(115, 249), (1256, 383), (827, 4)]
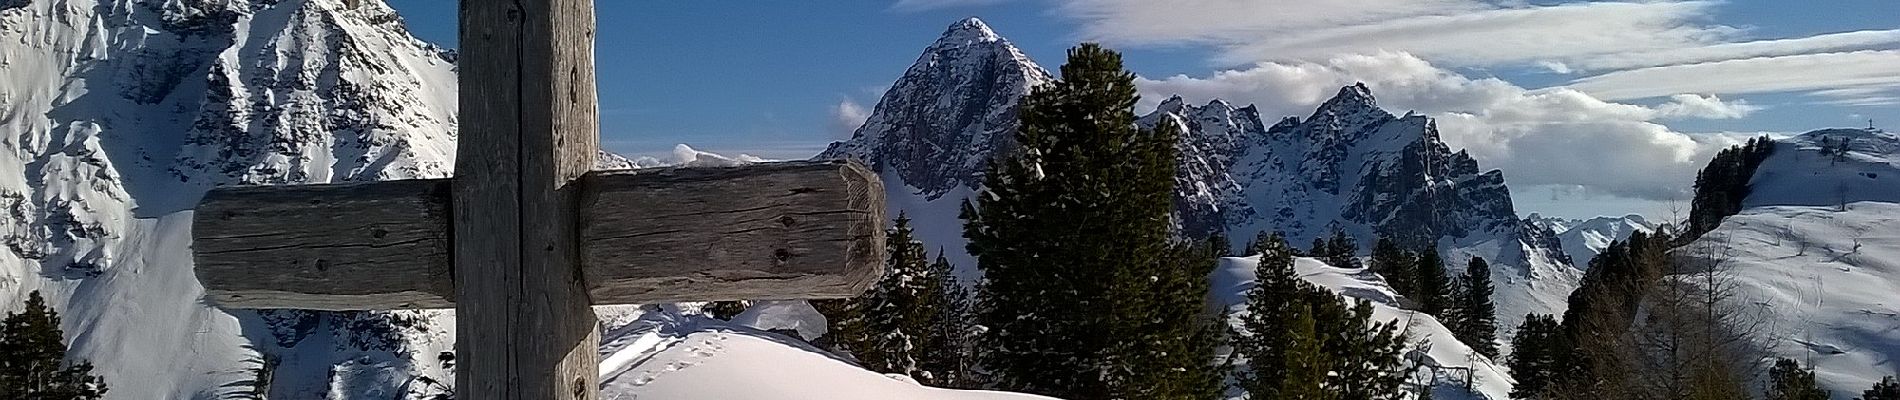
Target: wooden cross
[(525, 238)]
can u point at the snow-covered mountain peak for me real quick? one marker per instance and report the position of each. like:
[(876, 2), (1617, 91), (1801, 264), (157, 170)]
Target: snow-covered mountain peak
[(969, 30), (937, 127)]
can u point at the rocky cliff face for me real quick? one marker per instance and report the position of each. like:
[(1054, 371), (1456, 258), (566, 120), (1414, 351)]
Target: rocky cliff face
[(937, 125)]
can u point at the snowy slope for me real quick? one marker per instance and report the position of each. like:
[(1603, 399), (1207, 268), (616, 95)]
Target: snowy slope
[(1431, 342), (664, 354), (1583, 239), (1817, 246)]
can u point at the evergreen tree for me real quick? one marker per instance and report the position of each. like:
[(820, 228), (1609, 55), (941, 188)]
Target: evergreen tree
[(1788, 381), (1273, 308), (1721, 186), (945, 356), (724, 310), (1538, 350), (1341, 250), (1366, 355), (32, 351), (1304, 375), (1085, 296), (1886, 389), (1358, 359), (888, 328), (1320, 248), (1396, 265), (1433, 286), (1217, 245), (1475, 320)]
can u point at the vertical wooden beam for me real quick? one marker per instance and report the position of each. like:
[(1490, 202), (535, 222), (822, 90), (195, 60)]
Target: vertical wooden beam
[(528, 128)]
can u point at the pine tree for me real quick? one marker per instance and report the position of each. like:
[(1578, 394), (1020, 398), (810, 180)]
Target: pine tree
[(1886, 389), (1084, 295), (1273, 306), (1396, 265), (1366, 355), (1359, 359), (1304, 375), (1475, 320), (1217, 245), (1344, 251), (1433, 286), (32, 351), (1788, 381), (1537, 354), (945, 355), (886, 327)]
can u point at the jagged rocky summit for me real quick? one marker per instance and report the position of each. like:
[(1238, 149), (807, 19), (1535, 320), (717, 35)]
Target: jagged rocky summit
[(1349, 165)]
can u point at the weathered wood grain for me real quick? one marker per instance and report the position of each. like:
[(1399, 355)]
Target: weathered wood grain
[(765, 231), (338, 246), (772, 231), (529, 127)]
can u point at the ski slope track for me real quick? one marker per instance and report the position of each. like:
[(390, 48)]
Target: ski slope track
[(1817, 247)]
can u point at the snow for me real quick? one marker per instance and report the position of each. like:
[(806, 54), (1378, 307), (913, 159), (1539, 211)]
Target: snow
[(1825, 272), (665, 354), (1431, 342), (1584, 239)]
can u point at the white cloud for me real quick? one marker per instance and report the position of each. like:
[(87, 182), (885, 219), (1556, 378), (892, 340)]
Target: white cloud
[(1451, 32), (1707, 107), (1857, 40), (1538, 137), (926, 5), (1805, 72), (846, 117), (1610, 38)]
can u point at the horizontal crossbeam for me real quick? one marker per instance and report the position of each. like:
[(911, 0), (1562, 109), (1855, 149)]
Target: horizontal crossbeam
[(764, 231)]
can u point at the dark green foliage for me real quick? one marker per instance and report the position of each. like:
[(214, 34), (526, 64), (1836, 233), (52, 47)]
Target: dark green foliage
[(1788, 381), (1539, 351), (1358, 359), (1474, 320), (1217, 245), (911, 322), (1306, 363), (1396, 265), (724, 310), (1433, 284), (32, 352), (1084, 295), (1338, 250), (1886, 389), (944, 358), (1721, 186), (1269, 322)]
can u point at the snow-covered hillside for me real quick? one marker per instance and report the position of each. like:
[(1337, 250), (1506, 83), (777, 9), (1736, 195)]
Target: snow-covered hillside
[(1584, 239), (662, 353), (119, 115), (1817, 247), (1431, 343)]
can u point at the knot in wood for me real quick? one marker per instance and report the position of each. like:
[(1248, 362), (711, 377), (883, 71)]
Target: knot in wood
[(788, 221), (378, 233), (781, 255)]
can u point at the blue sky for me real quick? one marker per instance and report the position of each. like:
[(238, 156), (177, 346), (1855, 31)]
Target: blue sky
[(1535, 88)]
